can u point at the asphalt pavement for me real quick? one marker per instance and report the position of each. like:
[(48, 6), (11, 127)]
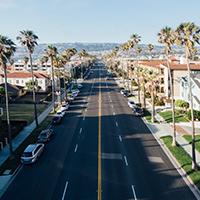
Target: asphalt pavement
[(100, 151)]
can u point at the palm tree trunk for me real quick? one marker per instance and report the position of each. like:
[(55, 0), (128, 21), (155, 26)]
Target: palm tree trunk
[(153, 106), (138, 83), (172, 102), (144, 93), (7, 111), (194, 163), (34, 98), (60, 91), (53, 85)]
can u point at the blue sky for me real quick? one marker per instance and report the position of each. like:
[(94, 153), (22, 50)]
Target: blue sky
[(94, 20)]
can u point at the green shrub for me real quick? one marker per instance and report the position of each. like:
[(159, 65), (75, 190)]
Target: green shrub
[(182, 104), (134, 83), (147, 95), (159, 102), (196, 115)]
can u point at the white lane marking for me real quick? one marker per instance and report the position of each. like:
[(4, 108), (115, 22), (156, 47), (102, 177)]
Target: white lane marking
[(134, 193), (116, 124), (113, 113), (80, 131), (155, 159), (120, 138), (125, 159), (83, 118), (112, 105), (110, 100), (75, 150), (86, 110), (65, 189)]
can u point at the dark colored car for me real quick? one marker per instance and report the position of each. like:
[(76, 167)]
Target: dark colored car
[(137, 111), (56, 120), (45, 135), (127, 93)]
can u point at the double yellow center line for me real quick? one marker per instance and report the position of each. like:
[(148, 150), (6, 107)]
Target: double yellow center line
[(99, 146)]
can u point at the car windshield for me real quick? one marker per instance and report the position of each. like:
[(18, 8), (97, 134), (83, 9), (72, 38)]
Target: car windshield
[(43, 134), (27, 154)]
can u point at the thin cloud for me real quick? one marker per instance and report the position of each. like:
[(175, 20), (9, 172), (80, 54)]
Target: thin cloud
[(6, 3)]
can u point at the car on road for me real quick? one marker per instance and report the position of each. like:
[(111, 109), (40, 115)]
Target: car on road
[(137, 111), (64, 107), (127, 93), (75, 92), (70, 97), (131, 104), (60, 113), (56, 120), (45, 135), (32, 153), (79, 86), (122, 91)]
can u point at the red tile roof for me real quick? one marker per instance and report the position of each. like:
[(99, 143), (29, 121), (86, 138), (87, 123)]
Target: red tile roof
[(173, 65), (25, 75), (152, 63)]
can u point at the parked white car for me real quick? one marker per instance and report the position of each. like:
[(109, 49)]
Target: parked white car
[(32, 153), (64, 107), (60, 113), (75, 92), (131, 104)]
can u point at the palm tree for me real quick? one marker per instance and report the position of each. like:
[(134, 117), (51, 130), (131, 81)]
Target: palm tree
[(133, 43), (125, 48), (7, 49), (143, 80), (29, 40), (167, 37), (150, 48), (66, 56), (152, 84), (25, 59), (82, 54), (51, 53), (188, 35), (138, 51)]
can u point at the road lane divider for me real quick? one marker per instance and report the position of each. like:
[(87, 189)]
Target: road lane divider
[(134, 193), (80, 131), (120, 138), (116, 124), (99, 145), (126, 161), (76, 148), (65, 190)]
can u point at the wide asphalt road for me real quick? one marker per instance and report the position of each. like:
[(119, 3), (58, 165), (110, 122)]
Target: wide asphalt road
[(100, 151)]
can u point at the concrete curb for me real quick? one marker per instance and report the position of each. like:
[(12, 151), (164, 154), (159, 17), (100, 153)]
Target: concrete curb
[(5, 187), (175, 163)]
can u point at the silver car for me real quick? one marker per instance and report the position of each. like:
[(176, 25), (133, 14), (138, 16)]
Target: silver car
[(32, 153)]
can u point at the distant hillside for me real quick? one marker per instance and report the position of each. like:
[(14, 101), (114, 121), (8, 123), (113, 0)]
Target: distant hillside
[(90, 47)]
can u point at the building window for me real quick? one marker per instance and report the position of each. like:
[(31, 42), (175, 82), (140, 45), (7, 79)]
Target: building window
[(17, 81), (162, 89), (162, 80)]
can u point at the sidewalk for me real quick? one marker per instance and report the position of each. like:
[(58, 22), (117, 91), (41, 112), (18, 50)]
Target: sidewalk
[(163, 129), (16, 142)]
